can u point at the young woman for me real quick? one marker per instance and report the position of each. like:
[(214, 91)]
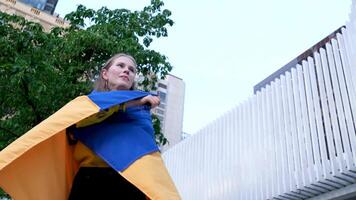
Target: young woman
[(97, 146), (99, 175)]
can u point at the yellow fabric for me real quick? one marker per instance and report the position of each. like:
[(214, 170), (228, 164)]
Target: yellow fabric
[(150, 175), (86, 157), (39, 165), (100, 116)]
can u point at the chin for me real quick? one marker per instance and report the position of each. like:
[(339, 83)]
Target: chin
[(123, 87)]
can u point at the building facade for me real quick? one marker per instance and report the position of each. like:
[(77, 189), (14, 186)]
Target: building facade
[(293, 139), (36, 11), (171, 109), (45, 5)]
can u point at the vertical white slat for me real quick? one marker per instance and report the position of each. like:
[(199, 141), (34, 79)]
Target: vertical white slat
[(299, 126), (265, 169), (253, 141), (349, 102), (325, 163), (300, 140), (334, 100), (241, 152), (188, 190), (287, 135), (282, 139), (256, 163), (203, 138), (215, 160), (276, 138), (208, 146), (233, 184), (275, 166), (332, 108), (317, 169), (297, 161), (236, 155), (217, 157), (239, 115), (224, 146), (350, 59), (315, 122), (325, 115), (259, 120), (351, 42), (192, 168), (250, 140), (270, 147), (227, 151), (342, 103), (245, 150), (247, 140), (218, 138), (240, 143), (299, 173), (303, 85), (305, 124)]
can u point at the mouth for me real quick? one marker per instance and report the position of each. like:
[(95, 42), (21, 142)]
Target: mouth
[(124, 78)]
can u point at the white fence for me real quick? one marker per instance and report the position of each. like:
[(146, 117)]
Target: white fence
[(293, 139)]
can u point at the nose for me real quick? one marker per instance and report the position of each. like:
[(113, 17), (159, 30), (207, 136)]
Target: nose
[(126, 70)]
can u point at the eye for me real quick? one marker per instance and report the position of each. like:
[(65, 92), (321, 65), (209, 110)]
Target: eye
[(132, 69), (120, 65)]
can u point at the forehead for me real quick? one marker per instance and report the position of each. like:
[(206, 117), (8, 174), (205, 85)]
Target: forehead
[(124, 59)]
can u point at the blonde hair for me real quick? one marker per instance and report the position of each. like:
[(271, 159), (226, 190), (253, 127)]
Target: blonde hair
[(101, 84)]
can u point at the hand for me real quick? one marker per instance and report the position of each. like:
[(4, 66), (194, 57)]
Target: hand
[(152, 100)]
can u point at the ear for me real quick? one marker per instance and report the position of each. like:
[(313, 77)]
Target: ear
[(104, 74)]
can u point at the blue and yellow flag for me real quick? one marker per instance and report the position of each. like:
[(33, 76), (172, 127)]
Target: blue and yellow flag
[(40, 166)]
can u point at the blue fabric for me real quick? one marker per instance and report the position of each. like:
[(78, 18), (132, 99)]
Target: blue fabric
[(125, 136), (106, 100)]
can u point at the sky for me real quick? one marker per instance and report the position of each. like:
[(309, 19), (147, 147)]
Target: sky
[(222, 48)]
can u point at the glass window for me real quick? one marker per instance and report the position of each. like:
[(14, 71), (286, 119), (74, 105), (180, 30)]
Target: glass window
[(162, 96), (161, 85), (160, 118), (39, 4), (159, 111), (161, 105)]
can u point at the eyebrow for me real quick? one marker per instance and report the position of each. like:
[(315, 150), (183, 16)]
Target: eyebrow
[(127, 65)]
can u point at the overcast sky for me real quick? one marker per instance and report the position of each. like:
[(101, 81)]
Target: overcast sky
[(222, 48)]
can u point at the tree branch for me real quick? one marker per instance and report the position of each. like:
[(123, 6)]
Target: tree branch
[(29, 102), (9, 131)]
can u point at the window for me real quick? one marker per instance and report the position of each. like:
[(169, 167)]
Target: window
[(160, 118), (161, 85), (159, 111), (162, 96), (161, 106)]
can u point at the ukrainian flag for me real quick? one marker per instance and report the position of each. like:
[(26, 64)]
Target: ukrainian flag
[(40, 166)]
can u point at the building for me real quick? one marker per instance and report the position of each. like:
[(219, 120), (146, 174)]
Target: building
[(170, 111), (185, 135), (44, 5), (37, 11)]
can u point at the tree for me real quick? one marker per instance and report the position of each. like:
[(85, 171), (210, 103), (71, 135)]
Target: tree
[(41, 71)]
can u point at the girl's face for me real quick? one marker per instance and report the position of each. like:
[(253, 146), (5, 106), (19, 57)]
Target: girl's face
[(121, 74)]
